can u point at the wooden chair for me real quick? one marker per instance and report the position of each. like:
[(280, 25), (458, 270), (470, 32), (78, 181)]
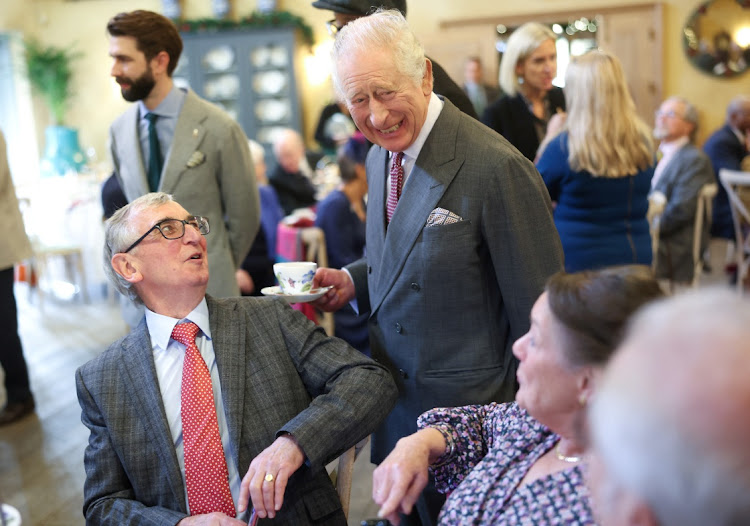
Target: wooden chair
[(656, 203), (737, 185), (702, 215)]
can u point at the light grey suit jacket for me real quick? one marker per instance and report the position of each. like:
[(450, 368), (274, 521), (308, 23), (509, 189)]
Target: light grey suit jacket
[(279, 373), (16, 244), (221, 187), (447, 302), (680, 182)]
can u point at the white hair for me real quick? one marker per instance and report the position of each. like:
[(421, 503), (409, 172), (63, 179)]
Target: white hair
[(670, 418), (119, 233), (384, 30)]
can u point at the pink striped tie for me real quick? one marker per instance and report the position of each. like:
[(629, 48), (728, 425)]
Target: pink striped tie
[(206, 474), (397, 183)]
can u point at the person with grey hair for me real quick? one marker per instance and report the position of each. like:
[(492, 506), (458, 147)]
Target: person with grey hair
[(344, 11), (459, 235), (679, 176), (211, 402), (726, 148), (669, 426), (531, 108)]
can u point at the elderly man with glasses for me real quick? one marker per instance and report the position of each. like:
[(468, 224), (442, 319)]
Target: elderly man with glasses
[(210, 403)]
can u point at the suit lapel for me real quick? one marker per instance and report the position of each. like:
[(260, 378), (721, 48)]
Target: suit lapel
[(228, 334), (139, 373), (188, 135), (433, 172)]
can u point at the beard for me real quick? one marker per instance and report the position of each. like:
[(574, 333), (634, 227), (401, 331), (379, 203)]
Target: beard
[(139, 89)]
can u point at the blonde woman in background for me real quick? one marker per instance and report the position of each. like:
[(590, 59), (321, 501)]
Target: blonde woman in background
[(599, 168), (531, 104)]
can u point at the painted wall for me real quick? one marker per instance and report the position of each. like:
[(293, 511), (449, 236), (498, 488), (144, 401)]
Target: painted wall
[(98, 102)]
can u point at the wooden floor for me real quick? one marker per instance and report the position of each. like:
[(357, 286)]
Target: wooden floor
[(41, 457)]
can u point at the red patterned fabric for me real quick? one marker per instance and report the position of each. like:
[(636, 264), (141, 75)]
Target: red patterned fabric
[(397, 183)]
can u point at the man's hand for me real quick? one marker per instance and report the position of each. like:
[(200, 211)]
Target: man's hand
[(211, 519), (341, 293), (398, 481), (269, 472), (244, 281)]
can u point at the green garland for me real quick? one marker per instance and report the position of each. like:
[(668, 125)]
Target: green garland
[(256, 20)]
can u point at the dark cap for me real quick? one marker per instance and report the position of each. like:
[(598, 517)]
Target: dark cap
[(359, 7)]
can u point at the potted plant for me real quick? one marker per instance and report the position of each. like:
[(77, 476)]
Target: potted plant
[(49, 71)]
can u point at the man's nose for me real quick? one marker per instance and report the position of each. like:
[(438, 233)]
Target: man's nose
[(115, 70), (378, 114)]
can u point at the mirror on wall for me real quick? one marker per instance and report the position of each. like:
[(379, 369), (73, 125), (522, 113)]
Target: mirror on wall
[(717, 37)]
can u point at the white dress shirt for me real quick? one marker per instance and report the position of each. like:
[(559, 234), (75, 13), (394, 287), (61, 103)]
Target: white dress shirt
[(668, 150), (168, 358)]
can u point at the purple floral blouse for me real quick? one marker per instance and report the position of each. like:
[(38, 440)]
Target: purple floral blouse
[(495, 445)]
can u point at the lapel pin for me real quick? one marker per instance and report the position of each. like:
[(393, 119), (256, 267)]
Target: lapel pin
[(197, 158)]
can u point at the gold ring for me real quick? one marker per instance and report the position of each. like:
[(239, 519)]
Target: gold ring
[(269, 477)]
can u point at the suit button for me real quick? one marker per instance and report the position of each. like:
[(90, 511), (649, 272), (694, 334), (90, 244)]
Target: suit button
[(369, 270), (415, 287), (403, 373), (399, 329)]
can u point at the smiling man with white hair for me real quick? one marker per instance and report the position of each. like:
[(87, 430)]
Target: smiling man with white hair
[(669, 425)]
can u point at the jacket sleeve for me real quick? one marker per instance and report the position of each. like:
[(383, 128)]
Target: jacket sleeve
[(692, 173), (109, 498)]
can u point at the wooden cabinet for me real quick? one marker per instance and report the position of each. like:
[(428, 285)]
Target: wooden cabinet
[(251, 74)]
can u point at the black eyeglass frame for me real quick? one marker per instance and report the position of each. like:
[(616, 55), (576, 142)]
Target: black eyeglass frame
[(197, 222)]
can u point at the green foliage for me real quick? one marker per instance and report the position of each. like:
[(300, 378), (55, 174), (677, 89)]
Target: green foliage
[(49, 70)]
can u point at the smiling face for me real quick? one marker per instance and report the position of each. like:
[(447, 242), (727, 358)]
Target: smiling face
[(167, 266), (388, 107), (548, 389), (130, 69), (539, 68)]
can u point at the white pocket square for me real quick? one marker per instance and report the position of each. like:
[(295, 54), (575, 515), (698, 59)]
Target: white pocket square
[(197, 158), (441, 216)]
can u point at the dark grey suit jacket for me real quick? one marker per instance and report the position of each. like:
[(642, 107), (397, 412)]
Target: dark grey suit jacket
[(680, 182), (209, 172), (447, 302), (279, 373)]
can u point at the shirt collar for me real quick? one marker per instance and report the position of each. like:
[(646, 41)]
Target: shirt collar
[(160, 327), (169, 107), (669, 148), (434, 107)]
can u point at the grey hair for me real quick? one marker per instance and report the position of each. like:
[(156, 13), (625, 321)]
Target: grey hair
[(119, 233), (690, 113), (737, 104), (661, 442), (522, 43), (386, 29)]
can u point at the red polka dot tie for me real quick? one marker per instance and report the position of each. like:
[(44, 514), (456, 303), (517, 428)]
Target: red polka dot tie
[(397, 183), (206, 474)]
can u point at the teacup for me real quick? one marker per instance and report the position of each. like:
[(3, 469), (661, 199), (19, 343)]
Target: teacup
[(295, 277)]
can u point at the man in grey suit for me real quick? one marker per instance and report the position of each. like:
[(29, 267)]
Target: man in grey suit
[(175, 142), (449, 282), (287, 398), (680, 174)]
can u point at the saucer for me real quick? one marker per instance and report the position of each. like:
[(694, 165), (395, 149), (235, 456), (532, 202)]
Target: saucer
[(303, 297)]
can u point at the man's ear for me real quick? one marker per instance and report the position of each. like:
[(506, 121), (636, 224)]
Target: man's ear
[(427, 80), (160, 62), (122, 264)]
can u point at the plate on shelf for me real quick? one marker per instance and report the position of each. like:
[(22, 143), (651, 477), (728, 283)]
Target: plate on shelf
[(222, 87), (295, 298), (260, 56), (272, 110), (278, 56), (220, 58), (269, 82)]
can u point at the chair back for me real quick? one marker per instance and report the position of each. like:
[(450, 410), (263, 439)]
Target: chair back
[(656, 203), (737, 185), (702, 215)]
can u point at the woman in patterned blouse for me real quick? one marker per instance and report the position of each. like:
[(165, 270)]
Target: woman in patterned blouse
[(522, 462)]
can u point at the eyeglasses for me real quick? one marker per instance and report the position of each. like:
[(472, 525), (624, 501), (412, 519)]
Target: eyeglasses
[(174, 229), (333, 28), (669, 113)]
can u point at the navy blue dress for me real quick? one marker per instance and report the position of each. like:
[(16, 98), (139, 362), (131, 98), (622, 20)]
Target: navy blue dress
[(601, 220), (345, 243)]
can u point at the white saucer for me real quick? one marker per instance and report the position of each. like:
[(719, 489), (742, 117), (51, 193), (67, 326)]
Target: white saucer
[(295, 298), (11, 516)]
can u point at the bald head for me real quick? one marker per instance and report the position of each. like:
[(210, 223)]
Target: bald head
[(670, 421)]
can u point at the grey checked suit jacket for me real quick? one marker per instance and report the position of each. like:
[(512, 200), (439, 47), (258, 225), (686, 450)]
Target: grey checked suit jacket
[(279, 373), (680, 182), (447, 302), (222, 187)]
